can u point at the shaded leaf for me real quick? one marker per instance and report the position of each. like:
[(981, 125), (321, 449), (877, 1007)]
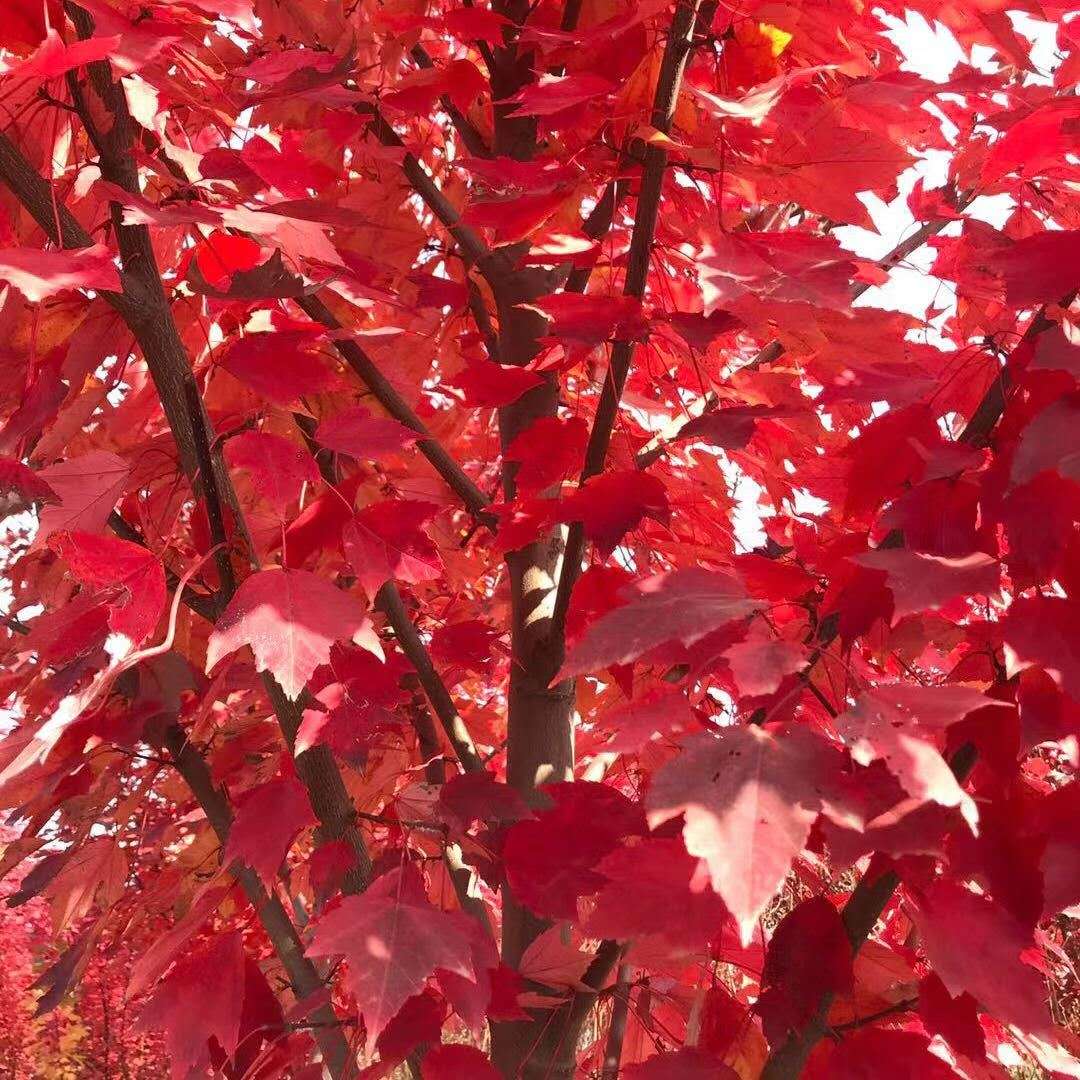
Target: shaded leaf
[(268, 820)]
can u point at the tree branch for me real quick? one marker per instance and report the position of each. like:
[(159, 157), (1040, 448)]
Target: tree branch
[(207, 474), (171, 371), (570, 16), (620, 1007), (35, 195), (469, 134), (146, 311), (200, 603), (861, 912), (301, 972), (388, 600), (476, 502), (390, 603), (596, 226), (872, 1018), (604, 962), (473, 247), (676, 54), (315, 766), (872, 894)]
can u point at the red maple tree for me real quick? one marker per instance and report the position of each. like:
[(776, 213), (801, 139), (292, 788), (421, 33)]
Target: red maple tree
[(485, 599)]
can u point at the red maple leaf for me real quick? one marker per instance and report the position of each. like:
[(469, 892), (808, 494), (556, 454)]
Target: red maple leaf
[(290, 618), (393, 940)]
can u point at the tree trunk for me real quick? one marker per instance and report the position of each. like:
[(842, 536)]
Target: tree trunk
[(540, 743)]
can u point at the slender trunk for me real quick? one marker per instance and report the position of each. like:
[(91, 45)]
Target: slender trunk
[(540, 718), (540, 744)]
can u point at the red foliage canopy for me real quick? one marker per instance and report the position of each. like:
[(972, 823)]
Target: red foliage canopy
[(495, 585)]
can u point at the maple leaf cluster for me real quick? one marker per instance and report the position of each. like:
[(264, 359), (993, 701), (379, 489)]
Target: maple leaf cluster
[(492, 590)]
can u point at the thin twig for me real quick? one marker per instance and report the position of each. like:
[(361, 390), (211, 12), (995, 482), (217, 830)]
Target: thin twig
[(774, 350), (872, 1018), (389, 601)]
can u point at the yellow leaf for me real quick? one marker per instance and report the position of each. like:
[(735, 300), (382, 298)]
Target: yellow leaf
[(778, 39), (750, 57), (639, 93)]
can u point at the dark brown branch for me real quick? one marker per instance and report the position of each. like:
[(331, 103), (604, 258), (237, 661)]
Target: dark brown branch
[(467, 131), (319, 772), (604, 962), (620, 1008), (596, 226), (872, 1018), (676, 54), (389, 601), (15, 624), (403, 823), (207, 475), (35, 195), (570, 16), (428, 740), (316, 767), (482, 318), (461, 874), (472, 246), (155, 329), (146, 311), (476, 502)]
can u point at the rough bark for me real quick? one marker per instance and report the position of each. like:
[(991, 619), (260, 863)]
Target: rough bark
[(145, 309)]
